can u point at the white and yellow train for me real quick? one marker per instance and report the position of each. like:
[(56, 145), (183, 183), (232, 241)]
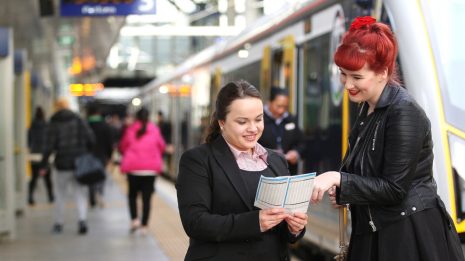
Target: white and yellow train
[(294, 49)]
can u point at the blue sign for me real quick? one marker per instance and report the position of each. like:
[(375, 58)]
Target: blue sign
[(107, 7), (4, 41)]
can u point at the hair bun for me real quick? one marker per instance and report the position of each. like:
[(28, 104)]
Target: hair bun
[(361, 21)]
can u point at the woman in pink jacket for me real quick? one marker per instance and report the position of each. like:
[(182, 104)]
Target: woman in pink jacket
[(142, 147)]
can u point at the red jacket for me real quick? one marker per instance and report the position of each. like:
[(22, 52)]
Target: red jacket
[(144, 153)]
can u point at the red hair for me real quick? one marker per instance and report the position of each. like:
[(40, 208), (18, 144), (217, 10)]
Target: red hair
[(374, 44)]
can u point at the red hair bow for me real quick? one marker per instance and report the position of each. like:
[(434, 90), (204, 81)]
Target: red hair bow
[(361, 21)]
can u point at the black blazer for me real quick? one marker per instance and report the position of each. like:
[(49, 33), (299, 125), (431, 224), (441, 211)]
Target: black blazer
[(215, 211)]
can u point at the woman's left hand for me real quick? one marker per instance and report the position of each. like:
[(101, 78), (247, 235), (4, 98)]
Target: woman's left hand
[(296, 222)]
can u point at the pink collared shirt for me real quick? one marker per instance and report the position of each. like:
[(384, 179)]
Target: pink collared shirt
[(255, 162)]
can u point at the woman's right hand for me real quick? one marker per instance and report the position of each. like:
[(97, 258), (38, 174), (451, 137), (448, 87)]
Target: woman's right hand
[(269, 218), (322, 183)]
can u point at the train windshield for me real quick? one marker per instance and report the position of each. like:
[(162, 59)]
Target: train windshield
[(446, 28)]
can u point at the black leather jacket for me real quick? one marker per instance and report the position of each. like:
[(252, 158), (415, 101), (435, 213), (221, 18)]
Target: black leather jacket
[(387, 173)]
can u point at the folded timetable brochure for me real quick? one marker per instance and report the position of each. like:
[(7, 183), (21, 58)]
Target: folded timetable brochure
[(290, 192)]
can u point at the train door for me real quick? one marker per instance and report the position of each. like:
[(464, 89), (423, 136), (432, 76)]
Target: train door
[(7, 225), (265, 73), (282, 69)]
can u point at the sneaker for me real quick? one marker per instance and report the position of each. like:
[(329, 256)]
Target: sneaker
[(82, 228), (57, 228), (31, 202), (144, 231), (134, 226)]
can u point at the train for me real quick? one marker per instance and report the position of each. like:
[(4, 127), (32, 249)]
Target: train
[(294, 49)]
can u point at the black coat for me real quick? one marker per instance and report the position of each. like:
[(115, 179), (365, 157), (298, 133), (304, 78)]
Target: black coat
[(37, 136), (68, 136), (291, 137), (216, 212), (104, 138), (387, 174)]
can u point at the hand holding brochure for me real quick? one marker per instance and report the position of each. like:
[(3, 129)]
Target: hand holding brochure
[(289, 192)]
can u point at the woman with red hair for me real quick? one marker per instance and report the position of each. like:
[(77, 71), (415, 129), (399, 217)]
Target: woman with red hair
[(386, 177)]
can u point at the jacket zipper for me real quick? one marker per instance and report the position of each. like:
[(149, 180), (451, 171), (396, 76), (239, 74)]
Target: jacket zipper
[(371, 223), (374, 137)]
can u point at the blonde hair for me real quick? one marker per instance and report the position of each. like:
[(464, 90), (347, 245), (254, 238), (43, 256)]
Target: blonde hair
[(62, 103)]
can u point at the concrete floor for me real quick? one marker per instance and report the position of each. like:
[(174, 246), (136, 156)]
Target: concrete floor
[(108, 237)]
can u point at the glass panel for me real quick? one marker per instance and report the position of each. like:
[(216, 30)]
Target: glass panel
[(446, 30), (322, 112)]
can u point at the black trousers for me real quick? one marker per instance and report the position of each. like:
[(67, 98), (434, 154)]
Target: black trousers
[(144, 185), (32, 183)]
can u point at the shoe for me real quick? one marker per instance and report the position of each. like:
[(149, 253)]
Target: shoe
[(57, 228), (134, 226), (82, 228), (31, 202), (144, 231)]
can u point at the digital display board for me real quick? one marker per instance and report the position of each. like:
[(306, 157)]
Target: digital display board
[(107, 7)]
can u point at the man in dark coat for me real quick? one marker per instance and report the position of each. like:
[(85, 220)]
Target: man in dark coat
[(281, 131), (69, 137), (102, 149)]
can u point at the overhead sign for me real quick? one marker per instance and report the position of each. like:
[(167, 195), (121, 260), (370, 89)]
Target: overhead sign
[(107, 7)]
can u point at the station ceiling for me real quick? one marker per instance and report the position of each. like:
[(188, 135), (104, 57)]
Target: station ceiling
[(47, 37)]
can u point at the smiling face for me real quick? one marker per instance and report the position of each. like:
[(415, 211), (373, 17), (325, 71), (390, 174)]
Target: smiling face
[(364, 84), (243, 125)]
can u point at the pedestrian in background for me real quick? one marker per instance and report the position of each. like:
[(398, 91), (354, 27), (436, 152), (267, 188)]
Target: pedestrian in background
[(69, 137), (142, 147), (102, 149), (217, 184), (37, 140), (387, 173), (282, 133)]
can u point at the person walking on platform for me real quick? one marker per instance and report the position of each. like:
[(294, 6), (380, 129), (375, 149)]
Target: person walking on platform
[(142, 147), (387, 174), (102, 149), (68, 136), (37, 140), (217, 183), (282, 132)]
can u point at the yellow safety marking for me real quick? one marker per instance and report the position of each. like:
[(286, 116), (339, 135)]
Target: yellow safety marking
[(455, 131), (443, 127)]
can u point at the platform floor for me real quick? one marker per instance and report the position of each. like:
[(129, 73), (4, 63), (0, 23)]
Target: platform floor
[(108, 237)]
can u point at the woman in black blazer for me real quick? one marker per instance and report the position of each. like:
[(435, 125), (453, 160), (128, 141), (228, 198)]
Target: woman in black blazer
[(217, 182)]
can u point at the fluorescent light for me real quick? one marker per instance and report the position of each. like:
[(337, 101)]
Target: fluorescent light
[(243, 54), (149, 30)]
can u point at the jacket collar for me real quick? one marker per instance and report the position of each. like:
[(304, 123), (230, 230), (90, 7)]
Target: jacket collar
[(227, 162), (387, 96)]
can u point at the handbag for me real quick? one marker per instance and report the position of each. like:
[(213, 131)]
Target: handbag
[(89, 169)]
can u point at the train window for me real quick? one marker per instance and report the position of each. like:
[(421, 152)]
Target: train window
[(322, 112), (278, 69), (249, 72), (446, 31)]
